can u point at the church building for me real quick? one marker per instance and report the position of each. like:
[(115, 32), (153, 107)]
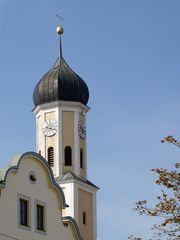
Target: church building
[(46, 195)]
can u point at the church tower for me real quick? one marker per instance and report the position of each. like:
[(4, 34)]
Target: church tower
[(60, 100)]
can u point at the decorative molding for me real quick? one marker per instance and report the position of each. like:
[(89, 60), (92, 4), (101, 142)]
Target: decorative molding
[(43, 204), (74, 223), (28, 199), (32, 177), (14, 166), (46, 106), (7, 236), (82, 184)]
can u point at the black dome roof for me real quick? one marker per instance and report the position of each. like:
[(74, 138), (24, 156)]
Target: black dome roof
[(60, 83)]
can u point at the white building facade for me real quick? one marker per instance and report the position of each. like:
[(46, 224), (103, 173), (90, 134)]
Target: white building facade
[(31, 202)]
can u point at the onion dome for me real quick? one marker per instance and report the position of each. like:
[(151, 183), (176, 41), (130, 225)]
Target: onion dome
[(60, 83)]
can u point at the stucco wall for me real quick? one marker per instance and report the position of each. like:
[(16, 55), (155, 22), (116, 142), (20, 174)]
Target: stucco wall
[(85, 205), (68, 136)]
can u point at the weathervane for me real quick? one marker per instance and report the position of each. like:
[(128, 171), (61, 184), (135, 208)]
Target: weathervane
[(58, 16), (60, 31)]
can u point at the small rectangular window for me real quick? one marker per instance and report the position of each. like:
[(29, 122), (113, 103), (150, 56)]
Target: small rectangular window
[(23, 212), (84, 218), (81, 158), (40, 217)]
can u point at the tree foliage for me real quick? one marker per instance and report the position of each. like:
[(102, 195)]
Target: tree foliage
[(168, 202)]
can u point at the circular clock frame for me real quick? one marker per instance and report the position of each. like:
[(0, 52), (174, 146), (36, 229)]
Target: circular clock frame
[(82, 130), (50, 128)]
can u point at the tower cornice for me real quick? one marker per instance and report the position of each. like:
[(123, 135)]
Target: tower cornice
[(70, 104)]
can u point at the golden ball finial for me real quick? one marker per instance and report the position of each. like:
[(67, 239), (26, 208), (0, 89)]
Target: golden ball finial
[(60, 30)]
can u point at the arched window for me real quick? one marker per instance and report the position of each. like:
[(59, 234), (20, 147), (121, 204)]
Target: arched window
[(84, 217), (51, 156), (68, 156), (81, 158)]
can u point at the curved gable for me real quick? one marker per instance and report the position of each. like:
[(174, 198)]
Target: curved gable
[(14, 167)]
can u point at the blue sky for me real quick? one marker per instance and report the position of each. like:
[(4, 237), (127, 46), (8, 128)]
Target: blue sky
[(128, 52)]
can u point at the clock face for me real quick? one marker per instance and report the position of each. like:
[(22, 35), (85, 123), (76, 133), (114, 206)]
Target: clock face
[(82, 130), (50, 127)]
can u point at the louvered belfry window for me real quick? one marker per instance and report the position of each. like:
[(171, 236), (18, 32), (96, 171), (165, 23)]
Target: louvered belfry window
[(68, 156), (51, 156)]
